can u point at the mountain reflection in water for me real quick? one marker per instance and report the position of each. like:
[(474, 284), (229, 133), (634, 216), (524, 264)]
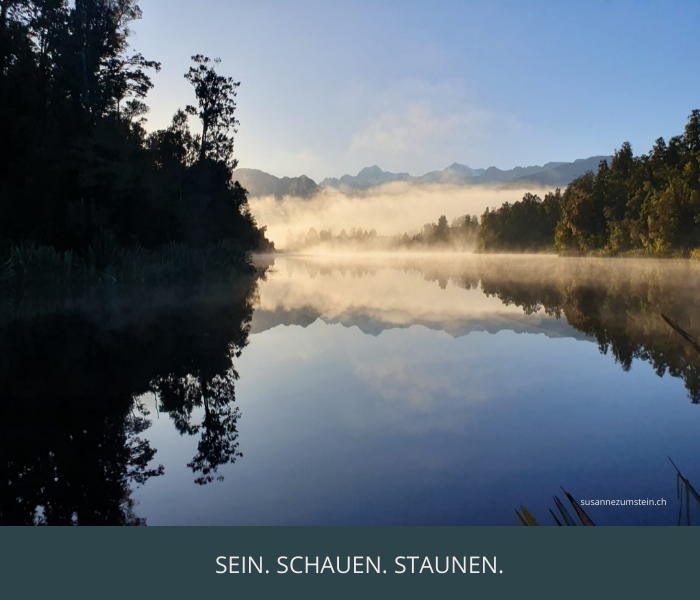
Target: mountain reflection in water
[(617, 303), (368, 413)]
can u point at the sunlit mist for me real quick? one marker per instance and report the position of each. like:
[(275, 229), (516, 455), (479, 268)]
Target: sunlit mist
[(390, 210)]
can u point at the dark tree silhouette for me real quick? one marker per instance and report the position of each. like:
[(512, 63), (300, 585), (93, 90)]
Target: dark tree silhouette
[(216, 97), (77, 166)]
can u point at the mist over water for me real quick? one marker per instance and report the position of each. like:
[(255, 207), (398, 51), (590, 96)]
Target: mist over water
[(618, 303), (471, 385), (390, 209), (376, 388)]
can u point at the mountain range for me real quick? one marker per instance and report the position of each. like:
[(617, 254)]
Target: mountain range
[(265, 319), (552, 174), (259, 183)]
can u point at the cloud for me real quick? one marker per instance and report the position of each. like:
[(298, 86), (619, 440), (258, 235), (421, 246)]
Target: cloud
[(414, 125), (417, 129), (289, 163), (398, 381), (405, 124)]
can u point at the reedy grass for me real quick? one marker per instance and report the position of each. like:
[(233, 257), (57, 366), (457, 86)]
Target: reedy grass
[(32, 266)]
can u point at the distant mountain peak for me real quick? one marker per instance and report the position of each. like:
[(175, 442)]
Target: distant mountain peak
[(552, 174), (463, 170), (259, 183), (372, 171)]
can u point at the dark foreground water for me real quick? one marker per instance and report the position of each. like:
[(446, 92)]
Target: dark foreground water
[(408, 390)]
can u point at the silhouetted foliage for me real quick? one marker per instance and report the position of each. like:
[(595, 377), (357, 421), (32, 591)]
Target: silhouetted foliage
[(72, 408), (441, 235), (215, 95), (76, 163)]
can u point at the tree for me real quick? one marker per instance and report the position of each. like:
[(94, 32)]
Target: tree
[(124, 78), (76, 163), (528, 225), (441, 230), (109, 75), (216, 107)]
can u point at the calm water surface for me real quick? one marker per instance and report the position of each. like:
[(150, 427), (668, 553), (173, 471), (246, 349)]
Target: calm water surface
[(415, 390)]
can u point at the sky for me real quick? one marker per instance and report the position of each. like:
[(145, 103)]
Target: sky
[(328, 87)]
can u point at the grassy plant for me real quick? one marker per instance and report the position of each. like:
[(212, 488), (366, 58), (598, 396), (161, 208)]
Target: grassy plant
[(37, 264), (31, 266), (682, 484), (694, 342), (180, 262), (528, 520)]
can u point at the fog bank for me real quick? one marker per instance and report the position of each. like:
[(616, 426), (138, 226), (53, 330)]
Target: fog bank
[(391, 209)]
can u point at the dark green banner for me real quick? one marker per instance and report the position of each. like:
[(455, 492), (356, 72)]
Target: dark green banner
[(488, 562)]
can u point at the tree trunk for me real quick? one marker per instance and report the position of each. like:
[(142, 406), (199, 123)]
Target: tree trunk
[(3, 15), (3, 26), (86, 95), (205, 132)]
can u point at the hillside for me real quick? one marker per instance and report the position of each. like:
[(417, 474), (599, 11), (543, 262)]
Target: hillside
[(259, 183), (552, 174)]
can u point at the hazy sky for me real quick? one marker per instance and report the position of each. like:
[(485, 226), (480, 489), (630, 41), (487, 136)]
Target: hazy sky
[(330, 87)]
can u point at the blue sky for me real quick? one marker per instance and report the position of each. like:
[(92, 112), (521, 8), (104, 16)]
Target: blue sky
[(330, 87)]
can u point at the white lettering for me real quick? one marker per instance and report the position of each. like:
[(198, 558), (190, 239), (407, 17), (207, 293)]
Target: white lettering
[(232, 563), (337, 564), (375, 567), (357, 563), (426, 561), (281, 564), (330, 565), (252, 563), (218, 562), (291, 565), (308, 564), (462, 566), (486, 562)]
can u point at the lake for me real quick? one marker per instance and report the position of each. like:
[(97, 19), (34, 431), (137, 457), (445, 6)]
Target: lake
[(414, 389)]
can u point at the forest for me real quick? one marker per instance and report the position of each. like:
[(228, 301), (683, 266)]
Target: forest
[(86, 191), (83, 185), (637, 205), (646, 205)]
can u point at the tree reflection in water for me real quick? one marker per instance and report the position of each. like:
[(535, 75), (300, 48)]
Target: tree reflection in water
[(617, 302), (620, 304), (218, 433), (73, 377), (72, 422)]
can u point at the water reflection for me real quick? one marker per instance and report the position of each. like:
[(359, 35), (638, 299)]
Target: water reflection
[(72, 419), (617, 303), (349, 364)]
